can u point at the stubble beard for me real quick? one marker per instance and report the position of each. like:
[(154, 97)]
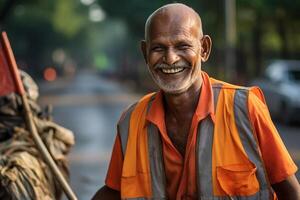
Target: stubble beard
[(177, 87)]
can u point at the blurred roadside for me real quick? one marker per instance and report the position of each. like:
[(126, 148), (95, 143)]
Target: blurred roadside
[(90, 106), (280, 83), (85, 56), (104, 35)]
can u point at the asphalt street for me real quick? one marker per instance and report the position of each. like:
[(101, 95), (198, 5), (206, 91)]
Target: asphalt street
[(90, 106)]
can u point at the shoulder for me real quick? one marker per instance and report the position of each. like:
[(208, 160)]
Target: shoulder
[(251, 92), (142, 102)]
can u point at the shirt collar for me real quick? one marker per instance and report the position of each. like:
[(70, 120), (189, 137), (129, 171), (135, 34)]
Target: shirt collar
[(205, 107)]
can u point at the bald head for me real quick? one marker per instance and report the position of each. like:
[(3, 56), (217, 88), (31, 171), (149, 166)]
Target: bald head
[(175, 47), (173, 14)]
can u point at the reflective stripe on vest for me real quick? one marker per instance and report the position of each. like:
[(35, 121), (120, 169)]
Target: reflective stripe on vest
[(123, 127), (158, 182), (204, 151), (249, 142), (157, 169)]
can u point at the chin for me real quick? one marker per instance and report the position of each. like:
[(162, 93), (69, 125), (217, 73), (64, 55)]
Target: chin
[(174, 90), (176, 86)]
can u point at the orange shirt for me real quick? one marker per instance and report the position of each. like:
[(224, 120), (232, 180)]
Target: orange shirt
[(180, 171)]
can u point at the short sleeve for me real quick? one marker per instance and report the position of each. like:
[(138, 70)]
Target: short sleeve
[(279, 164), (114, 173)]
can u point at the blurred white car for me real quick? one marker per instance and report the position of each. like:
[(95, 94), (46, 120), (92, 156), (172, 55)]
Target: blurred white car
[(281, 87)]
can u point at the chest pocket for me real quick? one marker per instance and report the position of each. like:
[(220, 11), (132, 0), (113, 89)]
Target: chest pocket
[(238, 179)]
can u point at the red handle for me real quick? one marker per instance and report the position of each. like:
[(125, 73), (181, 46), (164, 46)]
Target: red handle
[(12, 64)]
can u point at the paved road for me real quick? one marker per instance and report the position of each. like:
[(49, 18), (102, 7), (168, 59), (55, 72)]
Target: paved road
[(90, 106)]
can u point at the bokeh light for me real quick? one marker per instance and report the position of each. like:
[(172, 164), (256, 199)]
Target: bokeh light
[(50, 74)]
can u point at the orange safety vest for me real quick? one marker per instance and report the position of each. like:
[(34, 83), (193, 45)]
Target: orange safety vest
[(229, 161)]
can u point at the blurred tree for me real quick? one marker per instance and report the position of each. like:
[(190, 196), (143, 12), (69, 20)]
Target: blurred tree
[(55, 33), (135, 12), (6, 7), (36, 28), (67, 18), (272, 24), (265, 28), (89, 32)]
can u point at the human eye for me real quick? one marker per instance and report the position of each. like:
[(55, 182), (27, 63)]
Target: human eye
[(157, 48), (183, 46)]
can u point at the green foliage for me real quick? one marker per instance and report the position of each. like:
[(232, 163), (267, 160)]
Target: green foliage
[(67, 18), (265, 29), (134, 11), (101, 62)]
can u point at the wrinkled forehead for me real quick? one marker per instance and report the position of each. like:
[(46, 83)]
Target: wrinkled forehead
[(173, 21)]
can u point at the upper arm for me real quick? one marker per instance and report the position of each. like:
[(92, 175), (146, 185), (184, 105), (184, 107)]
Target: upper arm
[(278, 167), (287, 189), (114, 172)]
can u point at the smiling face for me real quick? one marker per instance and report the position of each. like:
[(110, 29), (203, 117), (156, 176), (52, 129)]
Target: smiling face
[(174, 48)]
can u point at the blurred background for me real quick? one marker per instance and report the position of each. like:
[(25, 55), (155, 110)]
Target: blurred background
[(85, 56)]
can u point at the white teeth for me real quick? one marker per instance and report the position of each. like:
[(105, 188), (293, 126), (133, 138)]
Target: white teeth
[(172, 71)]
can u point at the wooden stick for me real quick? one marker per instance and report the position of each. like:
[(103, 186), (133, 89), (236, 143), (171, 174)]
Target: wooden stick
[(30, 122)]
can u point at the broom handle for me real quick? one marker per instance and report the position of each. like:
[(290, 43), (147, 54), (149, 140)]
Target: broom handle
[(30, 122)]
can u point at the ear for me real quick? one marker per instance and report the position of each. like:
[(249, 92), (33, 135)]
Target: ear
[(206, 44), (144, 49)]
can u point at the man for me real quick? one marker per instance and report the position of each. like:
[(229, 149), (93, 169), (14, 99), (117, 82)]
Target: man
[(197, 138)]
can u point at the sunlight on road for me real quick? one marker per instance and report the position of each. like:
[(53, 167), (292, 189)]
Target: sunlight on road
[(77, 100)]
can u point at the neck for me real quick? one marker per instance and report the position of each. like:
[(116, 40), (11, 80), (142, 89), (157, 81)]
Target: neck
[(183, 104)]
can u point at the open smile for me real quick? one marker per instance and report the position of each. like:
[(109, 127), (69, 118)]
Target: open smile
[(172, 70)]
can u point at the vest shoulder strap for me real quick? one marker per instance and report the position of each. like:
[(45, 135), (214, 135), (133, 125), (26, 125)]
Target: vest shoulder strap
[(238, 98), (124, 121)]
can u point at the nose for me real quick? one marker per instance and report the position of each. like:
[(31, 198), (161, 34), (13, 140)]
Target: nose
[(170, 57)]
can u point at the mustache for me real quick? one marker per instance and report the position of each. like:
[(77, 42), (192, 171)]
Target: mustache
[(178, 64)]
